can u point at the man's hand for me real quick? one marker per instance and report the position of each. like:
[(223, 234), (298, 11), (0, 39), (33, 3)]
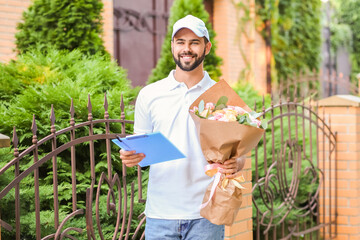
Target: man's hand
[(131, 158), (232, 167)]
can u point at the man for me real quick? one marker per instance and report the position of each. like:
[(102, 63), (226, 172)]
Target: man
[(176, 188)]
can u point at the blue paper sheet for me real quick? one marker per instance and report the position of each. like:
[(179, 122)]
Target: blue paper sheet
[(155, 146)]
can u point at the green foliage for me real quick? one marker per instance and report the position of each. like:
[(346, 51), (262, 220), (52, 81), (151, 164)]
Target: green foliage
[(66, 24), (341, 36), (295, 34), (34, 82), (251, 97), (165, 64), (243, 32), (346, 14), (54, 78)]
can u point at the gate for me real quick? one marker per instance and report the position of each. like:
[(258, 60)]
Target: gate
[(104, 206), (139, 30), (294, 169)]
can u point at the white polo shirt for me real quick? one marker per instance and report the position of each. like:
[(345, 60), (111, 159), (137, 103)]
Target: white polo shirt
[(175, 188)]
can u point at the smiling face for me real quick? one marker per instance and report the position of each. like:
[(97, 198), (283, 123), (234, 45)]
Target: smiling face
[(189, 50)]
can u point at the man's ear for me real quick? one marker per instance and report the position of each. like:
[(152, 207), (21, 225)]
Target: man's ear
[(208, 48)]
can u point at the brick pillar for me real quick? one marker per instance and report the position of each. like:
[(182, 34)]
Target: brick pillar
[(242, 227), (10, 15), (108, 26), (343, 111), (4, 141), (239, 49)]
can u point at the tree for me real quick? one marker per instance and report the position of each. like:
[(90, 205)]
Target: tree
[(65, 24), (295, 34), (165, 64), (347, 16)]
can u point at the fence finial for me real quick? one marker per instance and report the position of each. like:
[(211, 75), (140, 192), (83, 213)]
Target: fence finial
[(34, 130), (106, 106), (72, 113), (263, 105), (89, 106), (122, 108), (288, 93), (295, 93), (52, 119), (15, 141)]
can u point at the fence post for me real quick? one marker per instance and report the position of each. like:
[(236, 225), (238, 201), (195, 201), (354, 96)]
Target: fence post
[(343, 111), (243, 225), (4, 141)]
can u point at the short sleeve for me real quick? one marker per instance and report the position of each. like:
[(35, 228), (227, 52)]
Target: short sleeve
[(142, 121)]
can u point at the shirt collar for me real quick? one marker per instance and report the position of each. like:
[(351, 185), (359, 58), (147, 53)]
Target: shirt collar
[(172, 83)]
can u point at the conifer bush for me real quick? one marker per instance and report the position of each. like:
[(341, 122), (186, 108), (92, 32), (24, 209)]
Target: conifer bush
[(32, 83), (165, 64), (65, 24)]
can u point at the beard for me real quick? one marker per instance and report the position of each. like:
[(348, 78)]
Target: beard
[(188, 66)]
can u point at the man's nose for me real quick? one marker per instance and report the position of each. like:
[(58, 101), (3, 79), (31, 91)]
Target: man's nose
[(187, 47)]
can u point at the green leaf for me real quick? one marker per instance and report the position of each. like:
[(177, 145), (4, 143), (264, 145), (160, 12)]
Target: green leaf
[(255, 114), (219, 107), (201, 106), (242, 119), (264, 124), (222, 100)]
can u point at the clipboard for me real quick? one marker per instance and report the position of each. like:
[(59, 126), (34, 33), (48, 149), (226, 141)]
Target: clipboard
[(155, 146)]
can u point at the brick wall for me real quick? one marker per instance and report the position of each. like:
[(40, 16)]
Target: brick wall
[(229, 41), (343, 112), (108, 26), (11, 15), (242, 227)]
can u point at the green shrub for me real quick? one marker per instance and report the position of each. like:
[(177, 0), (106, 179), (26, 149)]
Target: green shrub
[(65, 24), (49, 79), (165, 64), (55, 78)]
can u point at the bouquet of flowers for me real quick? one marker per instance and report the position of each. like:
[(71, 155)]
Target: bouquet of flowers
[(227, 129), (222, 112)]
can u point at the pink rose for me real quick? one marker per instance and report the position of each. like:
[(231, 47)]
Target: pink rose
[(210, 106), (195, 109), (240, 110)]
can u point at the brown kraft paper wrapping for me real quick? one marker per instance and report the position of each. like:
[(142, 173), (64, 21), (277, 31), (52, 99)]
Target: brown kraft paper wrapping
[(224, 206), (221, 141)]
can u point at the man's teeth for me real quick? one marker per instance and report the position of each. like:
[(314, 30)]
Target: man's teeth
[(187, 57)]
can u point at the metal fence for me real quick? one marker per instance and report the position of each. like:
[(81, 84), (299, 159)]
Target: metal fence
[(317, 85), (86, 206), (294, 190), (294, 185)]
